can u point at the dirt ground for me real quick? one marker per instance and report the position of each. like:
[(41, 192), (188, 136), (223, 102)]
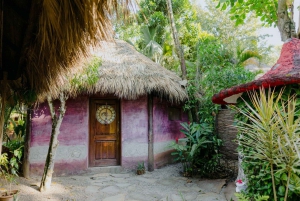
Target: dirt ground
[(165, 184)]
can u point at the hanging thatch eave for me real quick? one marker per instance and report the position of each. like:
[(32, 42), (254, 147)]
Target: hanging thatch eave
[(129, 74), (43, 40)]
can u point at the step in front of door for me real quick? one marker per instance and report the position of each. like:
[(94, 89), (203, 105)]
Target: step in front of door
[(107, 169)]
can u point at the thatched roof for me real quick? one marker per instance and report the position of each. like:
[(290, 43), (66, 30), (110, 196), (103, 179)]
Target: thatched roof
[(43, 40), (129, 74)]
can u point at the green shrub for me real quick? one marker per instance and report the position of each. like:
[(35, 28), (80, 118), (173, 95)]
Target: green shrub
[(200, 154), (269, 142)]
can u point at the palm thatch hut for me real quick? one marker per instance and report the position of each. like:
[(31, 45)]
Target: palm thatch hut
[(129, 116)]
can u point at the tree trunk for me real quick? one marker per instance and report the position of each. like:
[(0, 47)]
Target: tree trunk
[(3, 105), (56, 123), (26, 164), (176, 40), (2, 122), (285, 24), (178, 48)]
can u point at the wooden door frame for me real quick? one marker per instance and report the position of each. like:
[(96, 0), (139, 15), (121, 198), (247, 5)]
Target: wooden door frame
[(109, 97)]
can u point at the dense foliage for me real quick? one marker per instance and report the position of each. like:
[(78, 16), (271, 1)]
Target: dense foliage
[(269, 142), (236, 39), (150, 31), (216, 71), (14, 134), (239, 9), (196, 154)]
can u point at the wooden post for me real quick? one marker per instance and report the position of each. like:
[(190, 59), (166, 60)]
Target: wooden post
[(150, 134), (26, 170)]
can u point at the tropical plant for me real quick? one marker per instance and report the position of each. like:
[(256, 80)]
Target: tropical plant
[(8, 168), (140, 169), (15, 153), (14, 142), (288, 164), (268, 141), (244, 197), (214, 79), (199, 155), (140, 166), (152, 49)]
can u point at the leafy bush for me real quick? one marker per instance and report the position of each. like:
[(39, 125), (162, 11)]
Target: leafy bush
[(8, 168), (269, 143), (200, 153), (244, 197), (14, 148), (218, 74)]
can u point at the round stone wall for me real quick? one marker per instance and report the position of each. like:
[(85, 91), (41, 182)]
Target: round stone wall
[(227, 133)]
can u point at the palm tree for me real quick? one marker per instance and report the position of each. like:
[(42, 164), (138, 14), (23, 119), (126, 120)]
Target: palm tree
[(152, 49)]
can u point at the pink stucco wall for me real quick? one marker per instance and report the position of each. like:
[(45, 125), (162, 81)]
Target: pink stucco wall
[(72, 154), (134, 129), (165, 131), (164, 128)]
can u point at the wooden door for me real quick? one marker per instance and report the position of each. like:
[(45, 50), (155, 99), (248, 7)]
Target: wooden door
[(104, 149)]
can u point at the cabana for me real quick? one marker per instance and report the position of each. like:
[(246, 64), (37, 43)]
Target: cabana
[(131, 115)]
